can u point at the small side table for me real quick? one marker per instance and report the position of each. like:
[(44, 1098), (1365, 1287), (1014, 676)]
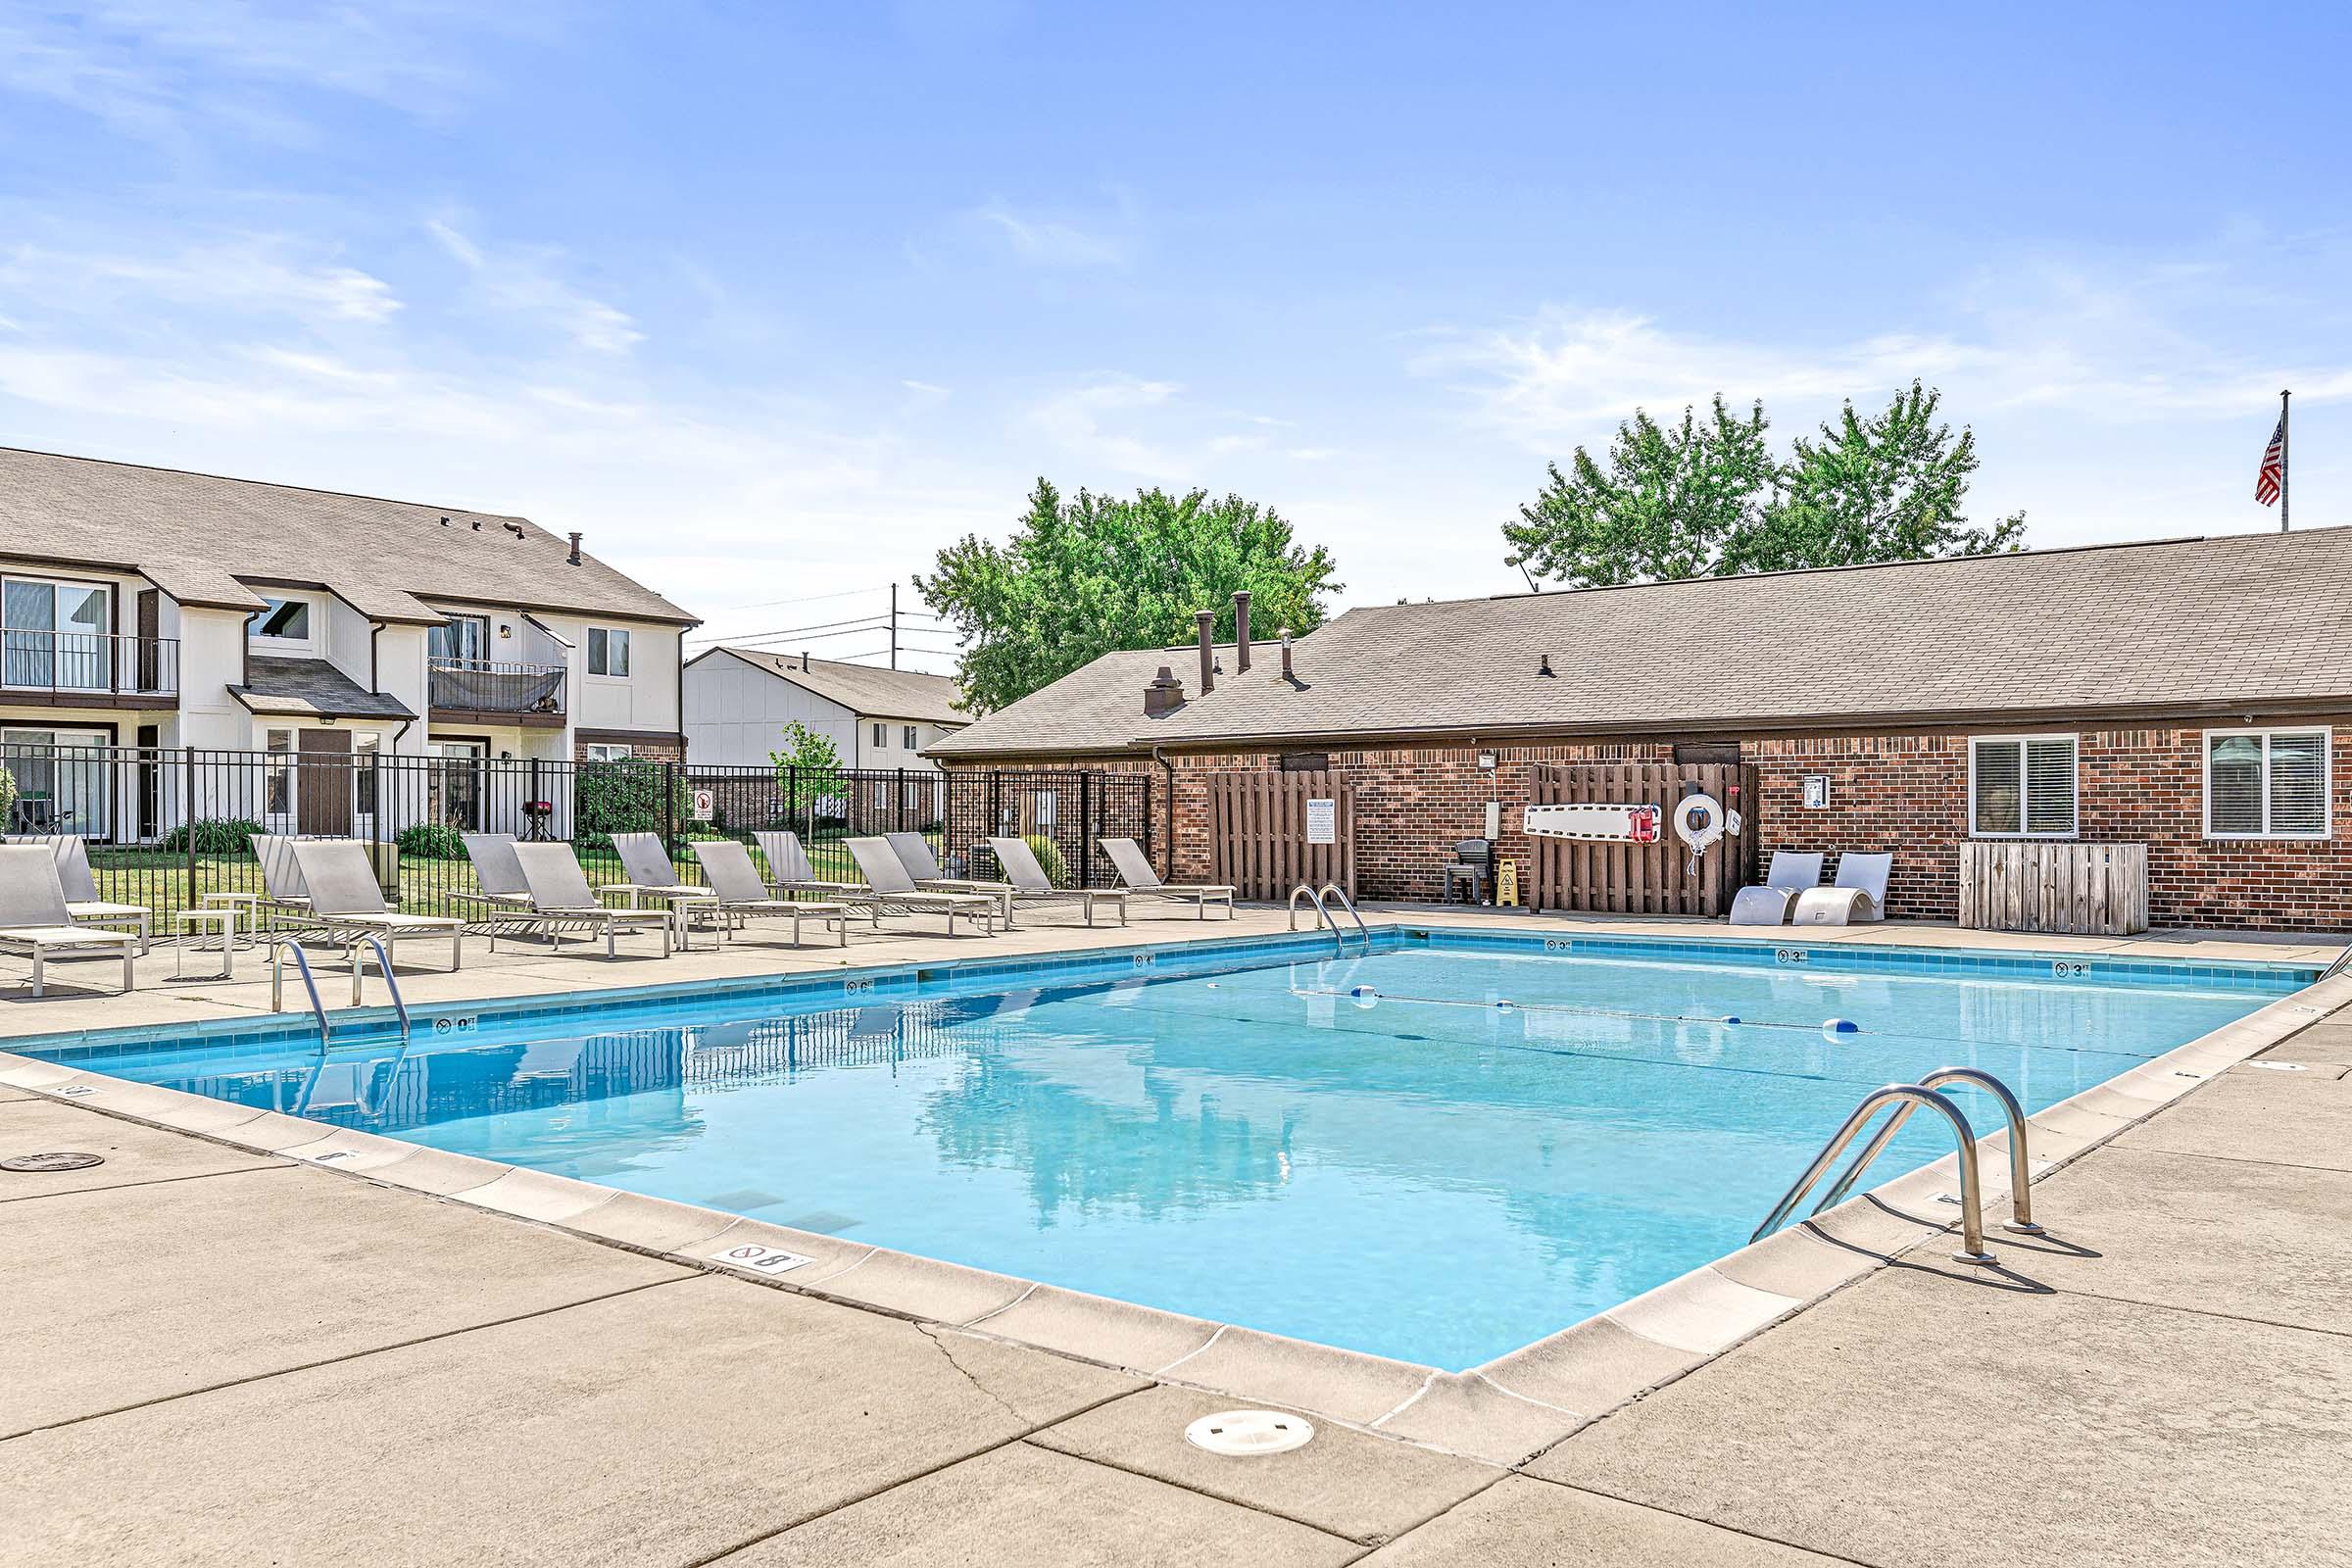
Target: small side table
[(249, 902), (219, 918)]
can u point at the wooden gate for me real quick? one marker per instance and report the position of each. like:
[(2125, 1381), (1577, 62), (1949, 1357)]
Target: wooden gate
[(1257, 832), (1641, 878)]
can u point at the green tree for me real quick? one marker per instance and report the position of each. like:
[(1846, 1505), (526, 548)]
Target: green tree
[(807, 767), (1706, 499), (1082, 577), (1884, 489), (1671, 504)]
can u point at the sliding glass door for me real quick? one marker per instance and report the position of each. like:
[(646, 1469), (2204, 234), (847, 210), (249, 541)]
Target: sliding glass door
[(55, 636)]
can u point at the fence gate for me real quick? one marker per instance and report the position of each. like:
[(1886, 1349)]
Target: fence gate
[(1641, 878), (1260, 826)]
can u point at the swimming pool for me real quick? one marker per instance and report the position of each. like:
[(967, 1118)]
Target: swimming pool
[(1438, 1152)]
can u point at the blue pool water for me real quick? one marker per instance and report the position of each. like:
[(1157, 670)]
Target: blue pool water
[(1418, 1173)]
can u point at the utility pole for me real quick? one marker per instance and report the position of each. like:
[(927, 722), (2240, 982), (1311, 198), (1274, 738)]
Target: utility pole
[(894, 619)]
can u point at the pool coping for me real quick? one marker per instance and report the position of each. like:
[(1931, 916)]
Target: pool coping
[(1501, 1411)]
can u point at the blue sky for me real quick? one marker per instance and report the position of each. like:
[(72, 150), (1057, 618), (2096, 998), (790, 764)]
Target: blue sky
[(773, 301)]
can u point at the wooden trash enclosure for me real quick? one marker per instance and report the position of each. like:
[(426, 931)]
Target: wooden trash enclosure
[(2042, 885), (1641, 878), (1257, 833)]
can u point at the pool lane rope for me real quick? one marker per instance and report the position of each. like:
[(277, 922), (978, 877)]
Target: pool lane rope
[(1366, 996)]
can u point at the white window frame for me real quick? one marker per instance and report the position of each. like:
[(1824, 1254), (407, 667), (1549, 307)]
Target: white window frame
[(588, 646), (881, 735), (608, 752), (2024, 808), (312, 617), (2327, 830)]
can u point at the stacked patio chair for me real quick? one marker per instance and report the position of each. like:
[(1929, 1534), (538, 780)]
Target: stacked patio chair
[(339, 881), (895, 892), (738, 894), (556, 895), (1031, 886), (1135, 870), (34, 919)]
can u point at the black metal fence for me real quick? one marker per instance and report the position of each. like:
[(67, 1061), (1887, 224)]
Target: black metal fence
[(165, 827)]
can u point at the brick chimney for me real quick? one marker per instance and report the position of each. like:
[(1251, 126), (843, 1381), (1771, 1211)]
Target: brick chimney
[(1207, 620), (1241, 632), (1164, 695)]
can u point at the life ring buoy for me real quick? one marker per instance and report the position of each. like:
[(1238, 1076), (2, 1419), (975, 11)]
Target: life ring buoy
[(1699, 822)]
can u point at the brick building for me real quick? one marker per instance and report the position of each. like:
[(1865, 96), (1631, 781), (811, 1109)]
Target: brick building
[(2184, 694)]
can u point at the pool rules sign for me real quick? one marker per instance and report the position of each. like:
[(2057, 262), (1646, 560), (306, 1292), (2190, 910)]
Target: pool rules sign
[(1322, 821)]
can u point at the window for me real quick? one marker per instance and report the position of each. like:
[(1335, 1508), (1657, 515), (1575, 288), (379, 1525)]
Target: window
[(461, 640), (2022, 787), (906, 735), (286, 620), (54, 635), (2266, 784), (881, 737), (279, 778), (366, 750), (608, 652), (609, 753)]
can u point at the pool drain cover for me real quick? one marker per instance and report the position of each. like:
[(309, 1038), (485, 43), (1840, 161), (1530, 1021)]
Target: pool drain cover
[(1242, 1433), (43, 1162)]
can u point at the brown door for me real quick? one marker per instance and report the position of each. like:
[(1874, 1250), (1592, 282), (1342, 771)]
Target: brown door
[(323, 783)]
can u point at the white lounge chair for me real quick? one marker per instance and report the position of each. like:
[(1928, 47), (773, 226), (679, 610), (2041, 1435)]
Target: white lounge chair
[(914, 854), (344, 897), (1135, 870), (790, 875), (1031, 885), (738, 891), (34, 919), (1769, 903), (887, 881), (281, 874), (81, 886), (646, 867), (497, 874), (1856, 898), (557, 894)]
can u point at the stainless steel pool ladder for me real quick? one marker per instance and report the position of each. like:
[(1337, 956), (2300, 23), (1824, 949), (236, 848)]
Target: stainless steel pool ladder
[(310, 983), (2021, 1162), (1911, 1097), (1316, 895), (384, 963)]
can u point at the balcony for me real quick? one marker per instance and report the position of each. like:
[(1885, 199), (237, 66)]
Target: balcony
[(88, 669), (481, 691)]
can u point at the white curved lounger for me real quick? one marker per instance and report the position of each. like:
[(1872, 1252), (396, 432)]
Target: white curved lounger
[(1791, 876), (1859, 896)]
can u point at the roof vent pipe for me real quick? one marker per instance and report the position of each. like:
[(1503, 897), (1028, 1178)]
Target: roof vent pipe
[(1241, 632), (803, 660), (1205, 620), (575, 547), (1286, 654)]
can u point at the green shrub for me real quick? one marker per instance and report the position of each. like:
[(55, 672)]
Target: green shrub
[(432, 841), (1049, 858), (214, 835), (624, 797), (8, 791)]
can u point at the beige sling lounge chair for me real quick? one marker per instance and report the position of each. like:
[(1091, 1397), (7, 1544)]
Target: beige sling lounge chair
[(1135, 869)]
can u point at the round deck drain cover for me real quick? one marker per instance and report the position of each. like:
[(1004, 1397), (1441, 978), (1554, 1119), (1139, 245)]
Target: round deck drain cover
[(41, 1163), (1242, 1433)]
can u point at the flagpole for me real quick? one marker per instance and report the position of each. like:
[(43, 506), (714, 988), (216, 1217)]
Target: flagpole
[(2282, 460)]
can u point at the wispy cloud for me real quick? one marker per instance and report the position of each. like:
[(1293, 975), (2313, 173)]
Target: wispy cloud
[(271, 274), (524, 281), (1059, 239)]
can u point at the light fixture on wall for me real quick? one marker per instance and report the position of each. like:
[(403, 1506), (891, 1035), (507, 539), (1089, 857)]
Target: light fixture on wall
[(505, 630)]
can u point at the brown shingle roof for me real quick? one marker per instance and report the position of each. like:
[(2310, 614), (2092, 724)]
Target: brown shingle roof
[(202, 539), (2240, 623), (863, 689), (311, 687)]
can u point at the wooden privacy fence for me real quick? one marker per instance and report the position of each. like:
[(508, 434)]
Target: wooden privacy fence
[(2037, 886), (1641, 878), (1257, 833)]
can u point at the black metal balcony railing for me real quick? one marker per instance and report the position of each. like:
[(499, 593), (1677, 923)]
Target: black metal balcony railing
[(97, 663), (482, 686)]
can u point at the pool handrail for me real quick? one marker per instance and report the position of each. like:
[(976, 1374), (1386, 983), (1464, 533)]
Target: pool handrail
[(1314, 896), (1971, 1210), (2021, 1164), (1334, 890), (277, 984), (384, 963)]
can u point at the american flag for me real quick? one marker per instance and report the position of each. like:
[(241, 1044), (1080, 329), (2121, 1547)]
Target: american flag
[(2274, 466)]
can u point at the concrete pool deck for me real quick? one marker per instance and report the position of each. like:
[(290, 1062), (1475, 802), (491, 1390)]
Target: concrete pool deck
[(220, 1355)]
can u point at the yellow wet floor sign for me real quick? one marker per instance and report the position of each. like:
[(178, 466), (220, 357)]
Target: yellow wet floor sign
[(1507, 884)]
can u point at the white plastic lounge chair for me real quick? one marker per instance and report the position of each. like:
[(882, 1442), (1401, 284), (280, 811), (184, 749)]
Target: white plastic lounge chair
[(1135, 869), (1857, 897), (738, 891), (1031, 885), (887, 880), (81, 886), (34, 919), (497, 874), (790, 875), (1791, 874), (558, 894), (344, 897)]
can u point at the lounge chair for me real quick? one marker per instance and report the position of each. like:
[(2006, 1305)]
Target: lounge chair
[(344, 897), (790, 875), (1769, 903), (914, 854), (1856, 898), (1031, 885), (34, 919), (1135, 870), (281, 874), (81, 887), (888, 883), (497, 874), (738, 891), (557, 894), (648, 873)]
